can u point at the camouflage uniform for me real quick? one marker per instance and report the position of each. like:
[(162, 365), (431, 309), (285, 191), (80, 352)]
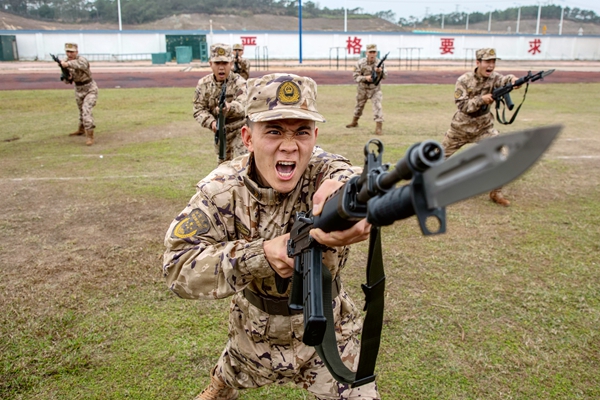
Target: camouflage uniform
[(242, 63), (206, 102), (86, 89), (215, 250), (473, 120), (366, 90)]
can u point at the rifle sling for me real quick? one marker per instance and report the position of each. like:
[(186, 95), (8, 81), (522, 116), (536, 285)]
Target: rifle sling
[(371, 334), (512, 119)]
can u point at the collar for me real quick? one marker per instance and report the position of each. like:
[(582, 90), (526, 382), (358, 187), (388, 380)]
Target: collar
[(265, 196)]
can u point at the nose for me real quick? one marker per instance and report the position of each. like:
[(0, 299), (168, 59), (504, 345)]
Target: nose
[(289, 144)]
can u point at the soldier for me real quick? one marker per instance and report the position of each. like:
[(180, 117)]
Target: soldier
[(473, 120), (86, 90), (230, 241), (240, 65), (206, 100), (367, 89)]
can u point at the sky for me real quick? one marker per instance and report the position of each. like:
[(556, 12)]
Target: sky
[(418, 8)]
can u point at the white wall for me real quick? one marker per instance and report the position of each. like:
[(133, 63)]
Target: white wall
[(316, 45)]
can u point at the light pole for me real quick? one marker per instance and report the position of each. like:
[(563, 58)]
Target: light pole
[(300, 29), (537, 27), (443, 21), (490, 21), (467, 24), (119, 12), (345, 16), (518, 18), (562, 12)]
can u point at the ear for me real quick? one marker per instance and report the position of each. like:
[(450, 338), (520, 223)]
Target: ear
[(247, 137)]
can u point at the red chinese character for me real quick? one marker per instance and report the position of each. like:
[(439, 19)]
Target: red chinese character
[(447, 46), (534, 47), (248, 40), (353, 45)]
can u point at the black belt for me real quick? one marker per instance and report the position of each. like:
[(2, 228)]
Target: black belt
[(482, 111), (279, 305), (83, 83)]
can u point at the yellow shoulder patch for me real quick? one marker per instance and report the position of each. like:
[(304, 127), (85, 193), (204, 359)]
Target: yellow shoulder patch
[(196, 223), (458, 93)]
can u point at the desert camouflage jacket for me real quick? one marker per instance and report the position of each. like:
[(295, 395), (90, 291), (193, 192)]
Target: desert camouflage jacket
[(215, 245), (363, 69), (79, 69), (206, 100), (470, 87)]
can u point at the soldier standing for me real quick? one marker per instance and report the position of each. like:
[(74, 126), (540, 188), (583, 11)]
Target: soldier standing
[(240, 65), (206, 100), (473, 120), (367, 89), (86, 90), (230, 241)]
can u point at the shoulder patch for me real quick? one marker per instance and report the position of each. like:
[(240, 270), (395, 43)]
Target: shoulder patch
[(196, 223), (458, 93), (241, 228)]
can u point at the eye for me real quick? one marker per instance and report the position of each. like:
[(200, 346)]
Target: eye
[(273, 132)]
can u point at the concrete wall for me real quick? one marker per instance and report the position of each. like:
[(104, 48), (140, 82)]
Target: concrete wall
[(317, 45)]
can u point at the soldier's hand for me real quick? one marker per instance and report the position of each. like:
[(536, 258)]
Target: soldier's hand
[(368, 78), (213, 126), (64, 64), (276, 254), (487, 98), (357, 233), (378, 70), (514, 79)]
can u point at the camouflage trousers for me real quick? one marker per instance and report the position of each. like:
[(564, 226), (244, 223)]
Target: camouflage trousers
[(263, 349), (364, 93), (235, 146), (86, 96), (465, 129)]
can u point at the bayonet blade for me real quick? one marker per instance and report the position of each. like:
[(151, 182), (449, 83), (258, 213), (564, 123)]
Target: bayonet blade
[(546, 73), (486, 166)]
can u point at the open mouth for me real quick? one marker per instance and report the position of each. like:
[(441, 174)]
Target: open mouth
[(285, 169)]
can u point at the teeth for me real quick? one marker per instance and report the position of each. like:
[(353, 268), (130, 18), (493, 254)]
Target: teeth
[(286, 163)]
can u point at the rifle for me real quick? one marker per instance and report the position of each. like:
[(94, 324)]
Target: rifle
[(375, 79), (434, 184), (502, 94), (236, 64), (65, 74), (220, 137)]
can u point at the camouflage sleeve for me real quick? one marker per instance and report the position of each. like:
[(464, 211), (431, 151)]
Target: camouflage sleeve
[(79, 63), (202, 112), (504, 80), (357, 75), (201, 262), (463, 101), (237, 107)]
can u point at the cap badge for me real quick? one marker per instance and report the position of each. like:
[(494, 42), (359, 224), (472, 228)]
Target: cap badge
[(288, 93)]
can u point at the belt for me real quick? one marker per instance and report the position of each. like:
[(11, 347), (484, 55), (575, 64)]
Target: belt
[(83, 83), (482, 111), (279, 305)]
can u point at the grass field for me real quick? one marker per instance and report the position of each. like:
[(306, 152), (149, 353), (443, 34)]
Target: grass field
[(505, 305)]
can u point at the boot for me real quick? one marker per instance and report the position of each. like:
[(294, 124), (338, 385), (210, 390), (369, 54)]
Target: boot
[(353, 124), (378, 126), (90, 137), (78, 132), (217, 390), (498, 198)]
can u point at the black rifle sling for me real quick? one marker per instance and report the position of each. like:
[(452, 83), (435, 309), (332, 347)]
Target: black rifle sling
[(371, 334), (503, 119)]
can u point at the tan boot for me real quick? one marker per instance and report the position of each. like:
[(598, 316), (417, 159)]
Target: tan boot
[(353, 124), (217, 390), (498, 198), (378, 127), (90, 137), (78, 132)]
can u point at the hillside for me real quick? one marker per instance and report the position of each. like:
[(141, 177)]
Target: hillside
[(285, 23)]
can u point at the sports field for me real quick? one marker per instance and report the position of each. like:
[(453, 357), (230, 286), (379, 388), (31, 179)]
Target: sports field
[(505, 305)]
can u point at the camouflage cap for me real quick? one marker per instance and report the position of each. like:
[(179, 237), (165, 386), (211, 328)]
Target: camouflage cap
[(238, 46), (70, 46), (282, 96), (371, 47), (220, 52), (486, 54)]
